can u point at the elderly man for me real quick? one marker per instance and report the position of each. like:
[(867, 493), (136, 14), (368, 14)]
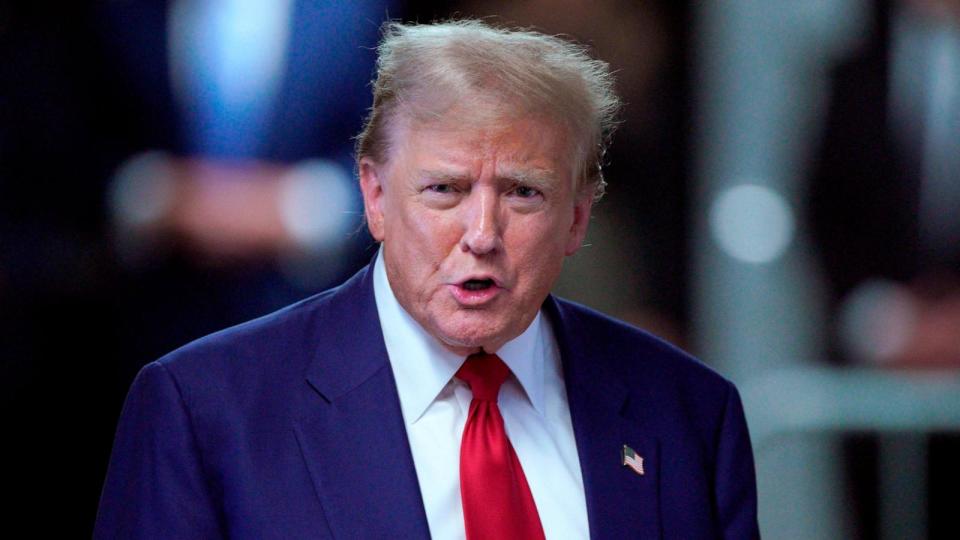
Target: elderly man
[(442, 391)]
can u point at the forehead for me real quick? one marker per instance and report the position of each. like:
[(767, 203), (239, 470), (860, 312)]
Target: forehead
[(462, 138)]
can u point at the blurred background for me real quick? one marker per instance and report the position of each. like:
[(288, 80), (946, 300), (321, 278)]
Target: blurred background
[(784, 201)]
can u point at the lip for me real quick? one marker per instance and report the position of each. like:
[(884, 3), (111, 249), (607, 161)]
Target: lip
[(478, 298)]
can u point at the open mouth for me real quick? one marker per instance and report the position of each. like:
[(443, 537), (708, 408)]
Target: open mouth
[(476, 292), (477, 284)]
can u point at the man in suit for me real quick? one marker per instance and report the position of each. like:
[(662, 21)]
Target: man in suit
[(442, 391)]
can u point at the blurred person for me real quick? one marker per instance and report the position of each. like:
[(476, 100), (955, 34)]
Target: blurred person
[(240, 198), (160, 165), (886, 189), (442, 391), (883, 205)]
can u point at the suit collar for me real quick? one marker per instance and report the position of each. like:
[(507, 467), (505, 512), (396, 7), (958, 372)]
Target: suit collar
[(606, 415), (348, 342), (351, 432)]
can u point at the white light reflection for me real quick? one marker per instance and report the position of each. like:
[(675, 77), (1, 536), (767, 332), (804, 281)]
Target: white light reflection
[(316, 204), (752, 223)]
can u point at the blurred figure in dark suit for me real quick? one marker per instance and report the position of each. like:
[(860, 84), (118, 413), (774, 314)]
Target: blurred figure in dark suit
[(885, 211), (156, 160), (886, 189)]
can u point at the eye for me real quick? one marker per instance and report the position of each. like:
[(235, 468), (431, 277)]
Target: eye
[(440, 188), (525, 192)]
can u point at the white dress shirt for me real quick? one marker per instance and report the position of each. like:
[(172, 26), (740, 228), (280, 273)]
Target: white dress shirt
[(533, 403)]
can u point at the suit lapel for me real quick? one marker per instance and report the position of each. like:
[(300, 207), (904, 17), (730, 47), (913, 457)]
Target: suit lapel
[(351, 430), (606, 416)]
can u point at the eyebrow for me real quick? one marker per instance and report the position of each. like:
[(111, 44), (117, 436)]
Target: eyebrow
[(537, 178), (443, 176)]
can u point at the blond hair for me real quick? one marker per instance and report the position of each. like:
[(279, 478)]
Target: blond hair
[(424, 70)]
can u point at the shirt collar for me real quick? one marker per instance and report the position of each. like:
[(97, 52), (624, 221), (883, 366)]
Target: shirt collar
[(422, 366), (525, 356)]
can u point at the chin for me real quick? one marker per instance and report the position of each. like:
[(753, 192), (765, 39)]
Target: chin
[(472, 332)]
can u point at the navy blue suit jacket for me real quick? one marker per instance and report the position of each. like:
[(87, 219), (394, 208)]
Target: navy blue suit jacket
[(289, 426)]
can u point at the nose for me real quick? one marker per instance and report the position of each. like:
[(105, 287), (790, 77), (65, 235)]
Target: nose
[(482, 234)]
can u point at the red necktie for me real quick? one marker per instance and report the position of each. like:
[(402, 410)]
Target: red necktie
[(496, 499)]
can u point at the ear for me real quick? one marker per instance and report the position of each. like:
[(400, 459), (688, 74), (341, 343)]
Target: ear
[(371, 186), (581, 218)]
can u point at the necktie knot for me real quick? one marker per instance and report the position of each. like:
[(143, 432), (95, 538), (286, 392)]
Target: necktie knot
[(484, 373)]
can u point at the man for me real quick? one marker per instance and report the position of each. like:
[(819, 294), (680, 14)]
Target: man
[(442, 391)]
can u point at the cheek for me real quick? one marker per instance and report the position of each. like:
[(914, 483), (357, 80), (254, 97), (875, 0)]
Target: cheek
[(423, 241), (433, 232), (541, 234), (538, 245)]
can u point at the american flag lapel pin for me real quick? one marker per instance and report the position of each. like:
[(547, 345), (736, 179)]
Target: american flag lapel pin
[(632, 459)]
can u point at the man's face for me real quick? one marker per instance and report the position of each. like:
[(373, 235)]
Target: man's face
[(475, 224)]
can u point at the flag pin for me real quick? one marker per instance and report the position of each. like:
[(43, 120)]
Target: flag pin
[(632, 459)]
